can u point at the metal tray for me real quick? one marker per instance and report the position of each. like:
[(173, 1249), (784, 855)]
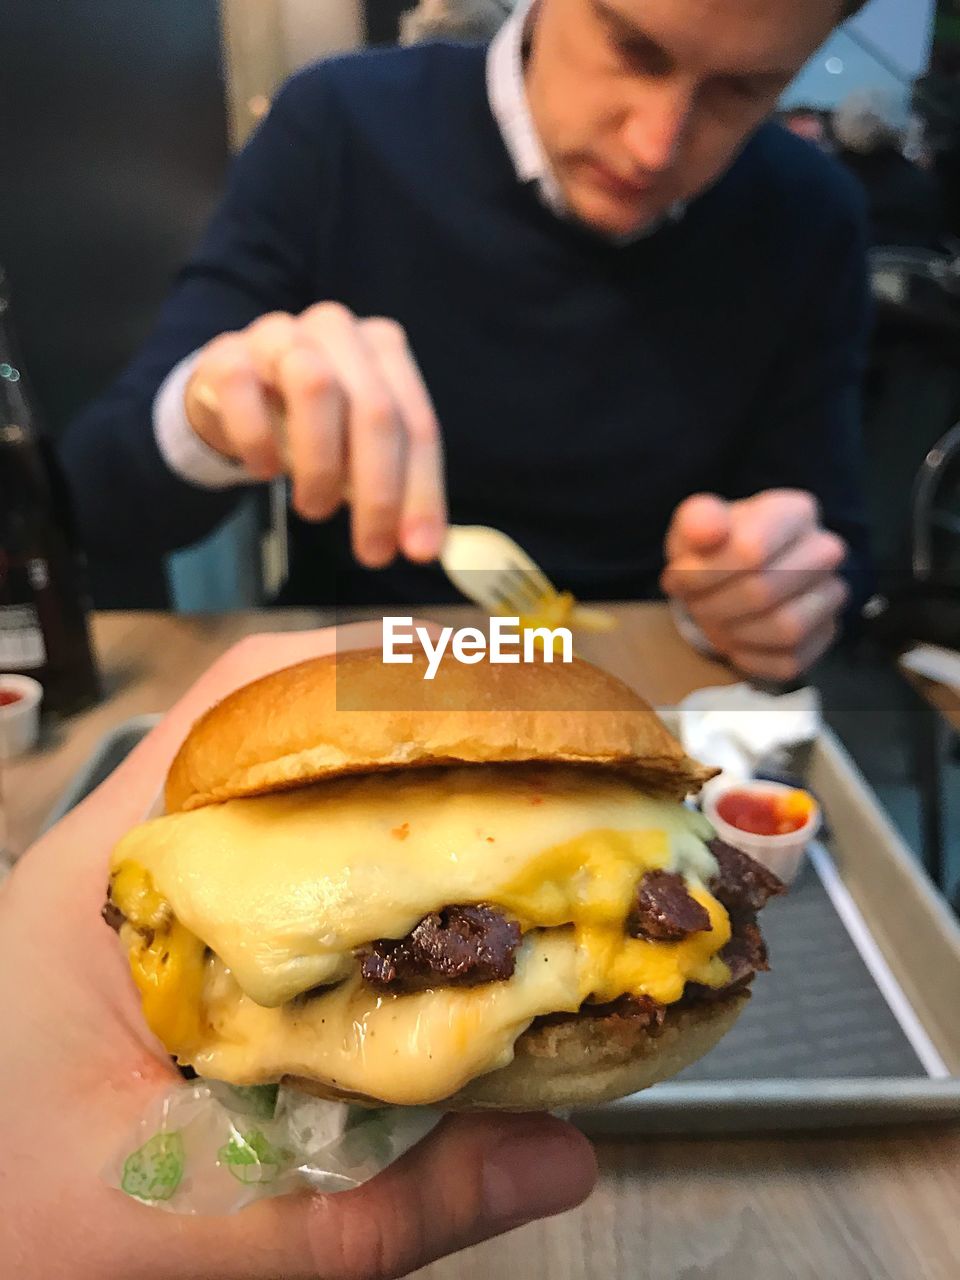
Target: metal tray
[(110, 751), (858, 1022)]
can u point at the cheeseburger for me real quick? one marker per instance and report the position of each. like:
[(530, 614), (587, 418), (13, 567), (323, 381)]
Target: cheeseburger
[(485, 892)]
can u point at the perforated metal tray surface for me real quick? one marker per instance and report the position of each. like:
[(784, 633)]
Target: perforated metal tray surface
[(818, 1012), (110, 752), (819, 1045)]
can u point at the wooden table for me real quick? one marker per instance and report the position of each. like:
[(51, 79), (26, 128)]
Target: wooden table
[(875, 1206)]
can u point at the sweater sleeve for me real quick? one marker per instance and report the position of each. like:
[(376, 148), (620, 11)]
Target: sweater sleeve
[(263, 251), (806, 431)]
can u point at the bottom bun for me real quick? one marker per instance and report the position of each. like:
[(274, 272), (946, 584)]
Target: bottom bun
[(582, 1061)]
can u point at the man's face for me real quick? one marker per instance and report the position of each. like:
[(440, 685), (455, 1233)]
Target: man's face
[(643, 103)]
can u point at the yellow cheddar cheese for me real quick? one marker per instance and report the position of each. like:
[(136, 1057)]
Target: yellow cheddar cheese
[(284, 887), (619, 965), (421, 1048), (166, 960)]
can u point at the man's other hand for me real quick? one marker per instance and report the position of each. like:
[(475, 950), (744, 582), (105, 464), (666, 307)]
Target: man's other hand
[(759, 578)]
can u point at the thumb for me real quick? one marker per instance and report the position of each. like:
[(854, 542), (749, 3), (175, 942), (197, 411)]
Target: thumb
[(474, 1177), (701, 524)]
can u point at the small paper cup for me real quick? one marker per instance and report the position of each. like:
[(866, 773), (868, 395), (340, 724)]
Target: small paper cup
[(20, 720), (782, 854)]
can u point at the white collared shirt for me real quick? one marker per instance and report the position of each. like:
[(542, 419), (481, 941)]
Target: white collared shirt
[(507, 94)]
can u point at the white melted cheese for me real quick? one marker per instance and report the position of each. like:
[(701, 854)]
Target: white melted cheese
[(418, 1049), (284, 887)]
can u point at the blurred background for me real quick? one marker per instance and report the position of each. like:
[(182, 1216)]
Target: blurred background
[(118, 120)]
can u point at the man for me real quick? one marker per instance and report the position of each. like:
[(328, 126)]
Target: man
[(584, 268)]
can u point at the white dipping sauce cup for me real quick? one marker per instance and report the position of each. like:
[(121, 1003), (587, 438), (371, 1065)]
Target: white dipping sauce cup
[(782, 854), (20, 720)]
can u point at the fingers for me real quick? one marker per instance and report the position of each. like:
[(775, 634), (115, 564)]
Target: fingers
[(475, 1177), (226, 405), (340, 403), (789, 625), (766, 595), (801, 568), (315, 426), (423, 515), (761, 529), (393, 453), (376, 444), (784, 643), (770, 522), (785, 665), (700, 524)]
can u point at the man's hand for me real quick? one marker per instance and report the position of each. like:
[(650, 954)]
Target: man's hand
[(759, 578), (80, 1069), (356, 418)]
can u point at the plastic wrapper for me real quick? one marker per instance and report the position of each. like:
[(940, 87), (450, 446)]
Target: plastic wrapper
[(207, 1147), (212, 1148)]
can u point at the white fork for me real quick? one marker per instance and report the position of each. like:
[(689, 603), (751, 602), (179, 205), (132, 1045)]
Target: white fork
[(490, 569)]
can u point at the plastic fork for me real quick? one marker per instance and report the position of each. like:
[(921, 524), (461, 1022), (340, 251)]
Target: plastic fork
[(490, 569)]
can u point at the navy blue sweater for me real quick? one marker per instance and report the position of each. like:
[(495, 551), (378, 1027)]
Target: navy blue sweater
[(583, 388)]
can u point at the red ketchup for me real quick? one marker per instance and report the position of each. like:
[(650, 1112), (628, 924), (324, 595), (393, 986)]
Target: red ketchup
[(9, 696), (763, 813)]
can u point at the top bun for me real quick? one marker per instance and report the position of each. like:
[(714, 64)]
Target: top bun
[(348, 713)]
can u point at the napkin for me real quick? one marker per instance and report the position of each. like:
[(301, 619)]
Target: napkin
[(736, 726)]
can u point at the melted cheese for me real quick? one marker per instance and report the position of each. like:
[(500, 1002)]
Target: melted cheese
[(410, 1049), (166, 960), (169, 973), (614, 964), (284, 887), (418, 1049)]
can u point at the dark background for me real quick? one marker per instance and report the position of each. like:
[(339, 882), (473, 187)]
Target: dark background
[(114, 148), (382, 17)]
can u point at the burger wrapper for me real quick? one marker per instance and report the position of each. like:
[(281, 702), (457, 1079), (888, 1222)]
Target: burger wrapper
[(207, 1147), (212, 1148)]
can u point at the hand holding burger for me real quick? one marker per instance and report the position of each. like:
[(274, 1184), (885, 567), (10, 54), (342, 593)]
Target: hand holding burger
[(80, 1068)]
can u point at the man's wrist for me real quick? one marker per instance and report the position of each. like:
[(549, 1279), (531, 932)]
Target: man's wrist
[(182, 449), (688, 629)]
